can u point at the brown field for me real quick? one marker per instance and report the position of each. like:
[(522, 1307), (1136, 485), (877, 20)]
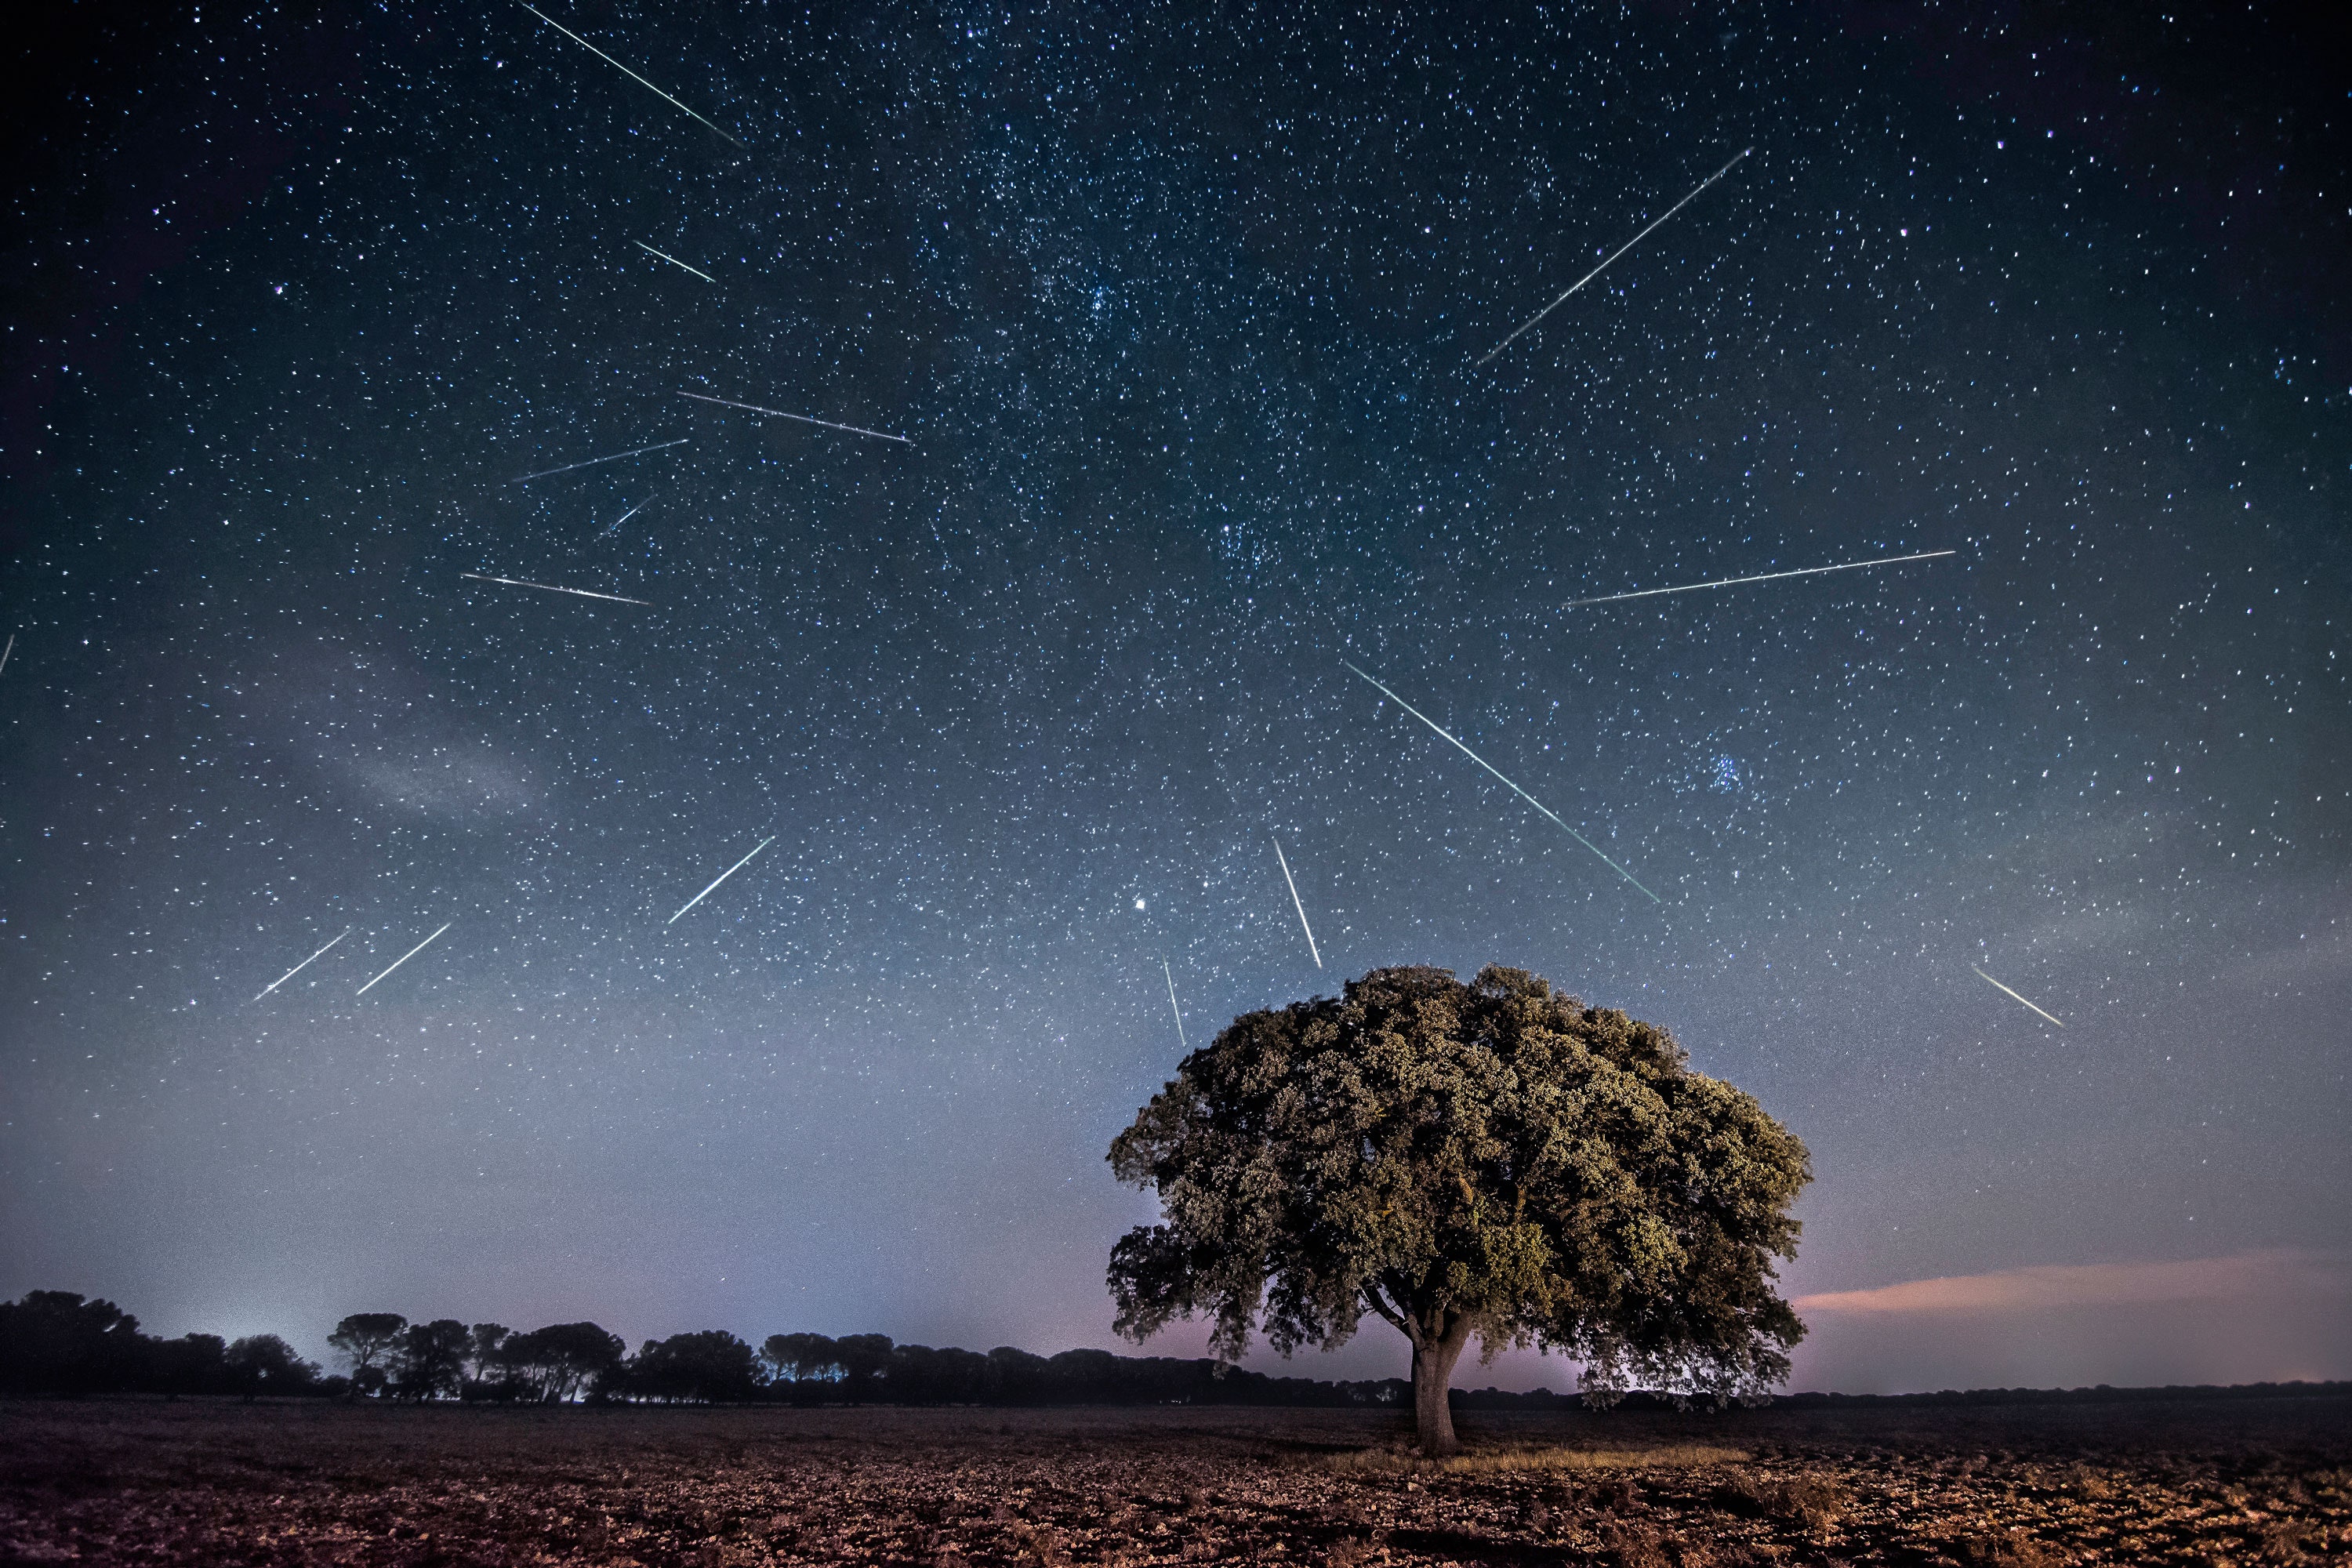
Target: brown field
[(2221, 1482)]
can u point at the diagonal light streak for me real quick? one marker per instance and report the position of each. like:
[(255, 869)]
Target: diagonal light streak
[(1990, 981), (779, 413), (551, 588), (721, 876), (404, 957), (1621, 250), (610, 60), (1514, 789), (300, 967), (1762, 577), (674, 261), (1180, 1043), (635, 452), (1296, 905)]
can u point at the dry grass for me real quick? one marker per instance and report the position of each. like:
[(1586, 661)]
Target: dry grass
[(294, 1487)]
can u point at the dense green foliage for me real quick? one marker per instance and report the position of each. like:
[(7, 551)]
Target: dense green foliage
[(1491, 1159)]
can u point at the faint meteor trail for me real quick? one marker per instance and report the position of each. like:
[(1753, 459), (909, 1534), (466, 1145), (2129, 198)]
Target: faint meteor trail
[(722, 877), (635, 452), (306, 963), (1514, 789), (4, 652), (1180, 1043), (404, 958), (1621, 250), (1990, 981), (551, 588), (1762, 577), (624, 518), (1296, 904), (674, 261), (611, 61), (779, 413)]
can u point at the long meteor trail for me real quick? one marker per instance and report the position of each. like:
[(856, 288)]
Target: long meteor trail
[(722, 877), (1990, 981), (404, 957), (305, 965), (611, 61), (1764, 577), (1514, 789), (1180, 1044), (674, 261), (551, 588), (1621, 250), (1296, 904), (779, 413), (635, 452)]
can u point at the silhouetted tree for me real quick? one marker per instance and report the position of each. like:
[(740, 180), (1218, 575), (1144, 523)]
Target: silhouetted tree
[(1489, 1159), (368, 1341), (801, 1358), (429, 1362), (59, 1341), (565, 1360), (193, 1364), (713, 1366), (486, 1350), (264, 1363), (864, 1363)]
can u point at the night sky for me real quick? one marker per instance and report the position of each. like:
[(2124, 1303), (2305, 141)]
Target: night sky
[(1178, 311)]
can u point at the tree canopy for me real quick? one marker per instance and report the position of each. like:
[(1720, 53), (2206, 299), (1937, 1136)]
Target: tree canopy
[(1493, 1159)]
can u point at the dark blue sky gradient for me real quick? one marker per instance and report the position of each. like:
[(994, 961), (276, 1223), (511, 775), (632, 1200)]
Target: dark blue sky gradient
[(1180, 313)]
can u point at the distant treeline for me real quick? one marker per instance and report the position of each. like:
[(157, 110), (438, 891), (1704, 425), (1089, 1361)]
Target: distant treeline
[(54, 1341)]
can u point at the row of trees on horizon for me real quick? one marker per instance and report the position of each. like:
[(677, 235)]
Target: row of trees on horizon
[(56, 1342)]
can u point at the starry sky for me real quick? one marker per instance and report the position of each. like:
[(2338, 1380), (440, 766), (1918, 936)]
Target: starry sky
[(1177, 312)]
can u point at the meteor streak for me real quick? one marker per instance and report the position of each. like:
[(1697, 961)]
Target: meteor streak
[(1990, 981), (404, 958), (1171, 974), (674, 261), (4, 652), (636, 452), (722, 877), (1296, 905), (1514, 789), (551, 588), (306, 963), (1763, 577), (611, 61), (624, 518), (1621, 250), (779, 413)]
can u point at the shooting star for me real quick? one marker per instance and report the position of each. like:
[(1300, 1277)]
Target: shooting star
[(4, 652), (674, 261), (551, 588), (1990, 981), (722, 877), (635, 452), (1621, 250), (1180, 1043), (1514, 789), (404, 958), (1296, 905), (611, 61), (779, 413), (305, 965), (624, 518), (1763, 577)]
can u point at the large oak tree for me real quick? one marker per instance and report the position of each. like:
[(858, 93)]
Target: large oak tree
[(1493, 1159)]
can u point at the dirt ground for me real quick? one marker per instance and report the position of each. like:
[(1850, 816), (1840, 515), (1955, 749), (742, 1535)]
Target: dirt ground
[(101, 1482)]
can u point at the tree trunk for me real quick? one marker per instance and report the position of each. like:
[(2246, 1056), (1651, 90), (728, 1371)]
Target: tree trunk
[(1432, 1376)]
